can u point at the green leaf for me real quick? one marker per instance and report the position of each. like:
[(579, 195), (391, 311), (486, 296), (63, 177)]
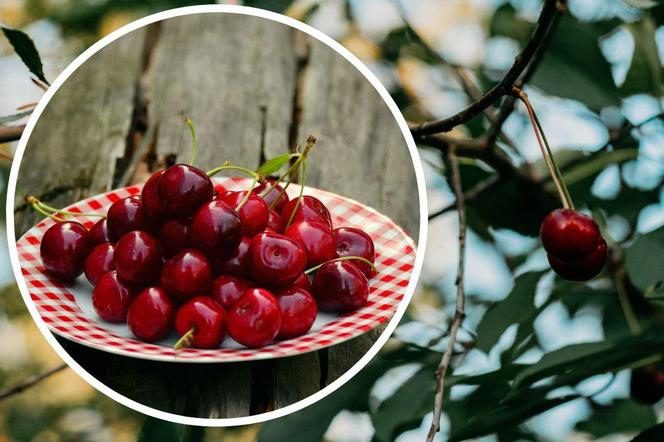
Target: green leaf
[(25, 49), (274, 164), (622, 416), (516, 307), (645, 72), (651, 434), (640, 4), (644, 260), (155, 430), (14, 117), (597, 163)]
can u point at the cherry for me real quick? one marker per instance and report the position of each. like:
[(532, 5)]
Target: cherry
[(316, 239), (234, 261), (355, 242), (63, 249), (219, 189), (274, 221), (569, 235), (98, 233), (276, 260), (302, 282), (124, 216), (227, 289), (206, 318), (254, 320), (183, 189), (275, 194), (647, 385), (174, 235), (309, 209), (138, 258), (298, 312), (216, 226), (111, 298), (153, 206), (583, 269), (150, 315), (339, 286), (187, 274), (99, 262), (254, 213)]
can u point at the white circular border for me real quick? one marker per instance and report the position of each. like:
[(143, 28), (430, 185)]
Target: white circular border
[(419, 175)]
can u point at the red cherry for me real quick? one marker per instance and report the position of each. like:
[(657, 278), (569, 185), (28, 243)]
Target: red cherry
[(206, 317), (187, 274), (254, 320), (309, 209), (583, 269), (227, 289), (99, 262), (124, 216), (276, 260), (111, 298), (647, 385), (274, 221), (302, 282), (63, 249), (138, 258), (98, 233), (569, 235), (219, 189), (184, 188), (174, 235), (254, 213), (298, 312), (153, 206), (355, 242), (275, 194), (316, 239), (150, 316), (339, 286), (234, 261), (216, 227)]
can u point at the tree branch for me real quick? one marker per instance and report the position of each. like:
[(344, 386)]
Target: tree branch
[(11, 133), (30, 382), (460, 298), (504, 86)]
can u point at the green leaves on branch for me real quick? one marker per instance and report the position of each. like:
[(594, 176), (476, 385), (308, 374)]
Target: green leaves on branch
[(25, 49), (645, 71), (643, 261)]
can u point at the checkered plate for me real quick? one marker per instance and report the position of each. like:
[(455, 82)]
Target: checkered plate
[(68, 312)]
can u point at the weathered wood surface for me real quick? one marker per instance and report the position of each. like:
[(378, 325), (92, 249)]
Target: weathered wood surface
[(254, 88)]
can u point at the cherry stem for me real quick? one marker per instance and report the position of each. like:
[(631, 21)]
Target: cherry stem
[(51, 212), (343, 258), (194, 139), (547, 155), (247, 195), (311, 140), (299, 198), (228, 166), (186, 339)]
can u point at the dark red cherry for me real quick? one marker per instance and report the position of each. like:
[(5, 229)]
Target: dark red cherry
[(216, 227), (227, 289), (99, 262), (98, 233), (647, 385), (174, 235), (254, 213), (273, 195), (302, 282), (112, 297), (150, 316), (153, 206), (184, 189), (569, 235), (254, 320), (309, 209), (276, 260), (187, 274), (316, 239), (234, 261), (63, 249), (583, 269), (355, 242), (138, 258), (298, 312), (206, 317), (274, 221), (339, 286), (124, 216)]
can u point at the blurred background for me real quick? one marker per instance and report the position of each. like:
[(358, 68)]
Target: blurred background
[(598, 90)]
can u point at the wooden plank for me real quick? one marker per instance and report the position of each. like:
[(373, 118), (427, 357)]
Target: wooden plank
[(74, 147)]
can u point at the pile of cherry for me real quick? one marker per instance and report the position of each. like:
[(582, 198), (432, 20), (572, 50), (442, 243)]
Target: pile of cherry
[(207, 261)]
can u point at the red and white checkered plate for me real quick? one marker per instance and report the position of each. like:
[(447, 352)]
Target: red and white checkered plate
[(68, 312)]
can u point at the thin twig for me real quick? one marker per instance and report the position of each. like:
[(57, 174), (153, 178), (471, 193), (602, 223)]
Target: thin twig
[(469, 195), (30, 382), (11, 133), (460, 298)]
